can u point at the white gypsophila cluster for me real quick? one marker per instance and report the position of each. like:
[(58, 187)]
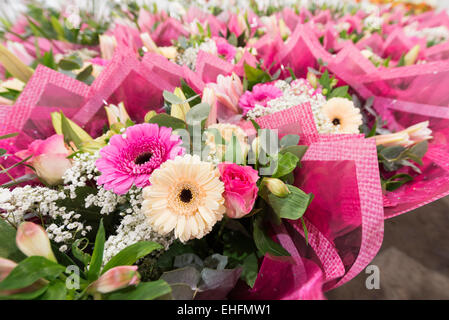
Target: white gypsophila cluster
[(188, 57), (435, 35), (294, 94), (20, 204), (106, 200), (133, 228), (82, 171)]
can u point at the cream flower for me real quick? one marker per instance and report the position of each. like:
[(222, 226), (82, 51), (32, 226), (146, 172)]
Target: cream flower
[(226, 130), (343, 114), (185, 196)]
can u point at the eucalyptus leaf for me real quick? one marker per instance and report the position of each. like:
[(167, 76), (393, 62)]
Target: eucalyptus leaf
[(289, 140), (172, 98), (198, 114), (164, 120)]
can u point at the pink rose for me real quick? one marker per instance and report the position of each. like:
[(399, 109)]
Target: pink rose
[(49, 158), (240, 188)]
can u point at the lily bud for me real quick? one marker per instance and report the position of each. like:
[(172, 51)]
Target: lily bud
[(313, 80), (169, 52), (107, 46), (210, 98), (255, 146), (284, 30), (419, 132), (32, 240), (115, 279), (394, 139), (180, 110), (117, 114), (411, 57), (149, 115), (276, 187)]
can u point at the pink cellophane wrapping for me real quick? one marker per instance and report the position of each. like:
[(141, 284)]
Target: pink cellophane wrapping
[(47, 91), (124, 79), (433, 183), (344, 221)]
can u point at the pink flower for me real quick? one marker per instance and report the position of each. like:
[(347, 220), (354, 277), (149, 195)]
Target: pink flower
[(132, 157), (240, 188), (224, 48), (33, 240), (49, 158), (228, 90), (115, 279), (260, 95)]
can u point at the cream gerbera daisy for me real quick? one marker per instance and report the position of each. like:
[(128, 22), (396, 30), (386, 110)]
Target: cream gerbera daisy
[(343, 114), (186, 196)]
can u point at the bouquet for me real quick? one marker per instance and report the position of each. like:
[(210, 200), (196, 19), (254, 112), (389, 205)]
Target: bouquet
[(212, 154)]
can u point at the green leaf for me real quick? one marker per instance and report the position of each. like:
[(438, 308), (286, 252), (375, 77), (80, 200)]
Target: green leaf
[(16, 165), (289, 140), (8, 247), (298, 151), (255, 76), (78, 253), (287, 162), (198, 114), (234, 151), (392, 153), (397, 181), (293, 206), (48, 60), (71, 131), (255, 124), (264, 243), (97, 255), (131, 254), (190, 93), (86, 74), (10, 135), (250, 269), (325, 81), (306, 232), (401, 62), (172, 98), (164, 120), (25, 295), (418, 151), (340, 92), (69, 65), (144, 291), (56, 291), (57, 27), (29, 271)]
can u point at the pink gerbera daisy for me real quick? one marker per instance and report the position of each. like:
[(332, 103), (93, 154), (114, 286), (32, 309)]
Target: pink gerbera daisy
[(131, 158), (260, 95)]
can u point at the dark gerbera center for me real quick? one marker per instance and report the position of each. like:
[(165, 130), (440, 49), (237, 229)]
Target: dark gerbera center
[(186, 195), (336, 122), (143, 158)]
